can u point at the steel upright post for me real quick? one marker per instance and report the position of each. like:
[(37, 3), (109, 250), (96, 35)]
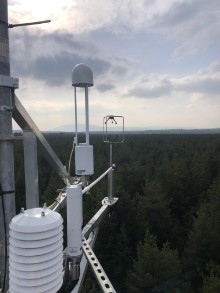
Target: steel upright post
[(7, 197), (110, 178)]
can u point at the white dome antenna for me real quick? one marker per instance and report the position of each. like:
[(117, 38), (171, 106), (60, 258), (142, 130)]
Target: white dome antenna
[(82, 76)]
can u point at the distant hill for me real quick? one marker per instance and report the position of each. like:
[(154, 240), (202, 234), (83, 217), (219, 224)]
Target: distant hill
[(141, 130)]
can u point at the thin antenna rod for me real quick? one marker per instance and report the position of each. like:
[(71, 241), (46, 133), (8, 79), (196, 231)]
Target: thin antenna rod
[(28, 23), (76, 128), (87, 114)]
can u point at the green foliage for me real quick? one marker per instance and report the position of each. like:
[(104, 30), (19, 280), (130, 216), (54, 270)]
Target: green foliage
[(154, 205), (204, 239), (153, 266), (211, 279)]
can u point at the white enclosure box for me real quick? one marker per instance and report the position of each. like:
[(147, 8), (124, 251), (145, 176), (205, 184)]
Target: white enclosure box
[(84, 159)]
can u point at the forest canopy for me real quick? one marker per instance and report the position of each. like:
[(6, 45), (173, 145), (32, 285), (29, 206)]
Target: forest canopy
[(163, 235)]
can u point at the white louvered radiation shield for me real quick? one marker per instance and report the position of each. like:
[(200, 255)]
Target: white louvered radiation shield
[(36, 252)]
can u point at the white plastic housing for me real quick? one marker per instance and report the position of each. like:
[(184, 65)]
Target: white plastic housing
[(36, 251), (84, 162), (74, 220), (82, 76)]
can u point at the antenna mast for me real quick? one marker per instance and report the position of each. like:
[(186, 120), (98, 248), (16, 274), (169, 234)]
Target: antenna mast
[(7, 193)]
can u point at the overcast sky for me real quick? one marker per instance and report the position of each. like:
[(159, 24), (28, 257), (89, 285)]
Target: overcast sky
[(156, 62)]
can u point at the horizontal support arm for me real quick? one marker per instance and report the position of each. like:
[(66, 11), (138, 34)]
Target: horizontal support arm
[(87, 188)]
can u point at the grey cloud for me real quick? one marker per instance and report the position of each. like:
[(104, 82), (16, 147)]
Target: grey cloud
[(104, 87), (206, 82), (178, 13), (153, 92), (56, 69), (194, 24), (98, 66), (40, 56), (208, 86), (64, 39), (184, 11), (119, 70)]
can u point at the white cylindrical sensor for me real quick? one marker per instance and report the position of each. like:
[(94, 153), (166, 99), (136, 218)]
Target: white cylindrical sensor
[(74, 220)]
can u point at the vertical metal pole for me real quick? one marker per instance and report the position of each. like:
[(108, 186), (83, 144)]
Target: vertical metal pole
[(110, 178), (76, 122), (6, 146), (87, 114), (110, 160), (31, 169)]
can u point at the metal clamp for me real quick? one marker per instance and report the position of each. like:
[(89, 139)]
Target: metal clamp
[(8, 81), (108, 202)]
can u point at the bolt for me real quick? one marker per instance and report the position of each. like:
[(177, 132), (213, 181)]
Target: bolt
[(22, 210), (43, 214)]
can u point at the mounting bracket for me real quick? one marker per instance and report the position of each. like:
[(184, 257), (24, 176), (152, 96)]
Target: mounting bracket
[(8, 81), (97, 269)]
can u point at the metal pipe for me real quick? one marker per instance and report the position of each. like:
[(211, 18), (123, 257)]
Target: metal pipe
[(6, 146), (28, 23), (110, 178), (76, 126), (110, 154), (87, 188), (87, 114), (111, 185)]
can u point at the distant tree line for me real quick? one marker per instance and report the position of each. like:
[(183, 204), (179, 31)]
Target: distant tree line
[(163, 235)]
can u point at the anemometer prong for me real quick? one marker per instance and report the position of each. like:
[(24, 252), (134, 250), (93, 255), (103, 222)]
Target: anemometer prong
[(28, 23), (112, 118), (111, 135)]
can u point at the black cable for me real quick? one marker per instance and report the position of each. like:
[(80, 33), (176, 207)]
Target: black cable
[(4, 223)]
